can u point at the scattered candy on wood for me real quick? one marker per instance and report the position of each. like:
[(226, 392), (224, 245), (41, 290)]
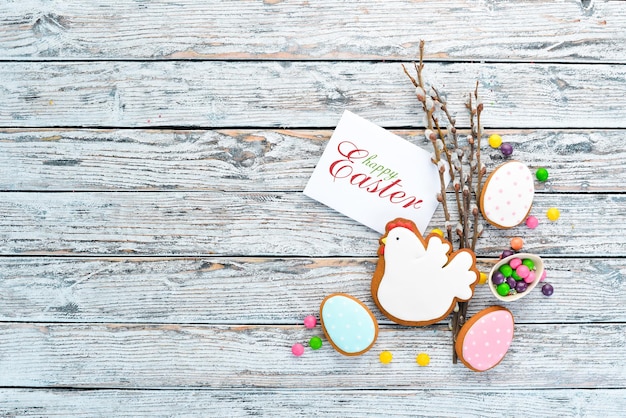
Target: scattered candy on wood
[(507, 253), (385, 357), (506, 149), (532, 222), (422, 359), (517, 243), (543, 276), (310, 322), (553, 214), (438, 232), (483, 278), (315, 343), (541, 174), (547, 289), (495, 141), (297, 349)]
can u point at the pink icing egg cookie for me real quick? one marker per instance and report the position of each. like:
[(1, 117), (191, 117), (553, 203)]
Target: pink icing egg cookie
[(485, 338), (418, 282), (507, 195)]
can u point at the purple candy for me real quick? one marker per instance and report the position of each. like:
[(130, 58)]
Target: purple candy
[(511, 282), (507, 253), (547, 289), (506, 149), (497, 278), (521, 287)]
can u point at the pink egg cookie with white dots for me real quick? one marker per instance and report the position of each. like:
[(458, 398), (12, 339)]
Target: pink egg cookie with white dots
[(485, 338), (507, 195)]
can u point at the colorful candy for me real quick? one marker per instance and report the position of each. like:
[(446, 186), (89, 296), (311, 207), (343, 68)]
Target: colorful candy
[(437, 231), (310, 322), (297, 349), (506, 270), (532, 222), (517, 243), (547, 289), (483, 278), (514, 276), (506, 149), (553, 214), (542, 174), (507, 253), (385, 357), (495, 141), (515, 263), (423, 359), (315, 343)]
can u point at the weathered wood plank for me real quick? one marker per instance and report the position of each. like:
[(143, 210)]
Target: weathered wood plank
[(264, 160), (168, 356), (244, 94), (316, 402), (268, 224), (263, 291), (324, 29)]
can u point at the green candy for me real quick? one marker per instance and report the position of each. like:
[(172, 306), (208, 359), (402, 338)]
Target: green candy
[(516, 276), (315, 343), (542, 174), (528, 263), (503, 289), (506, 270)]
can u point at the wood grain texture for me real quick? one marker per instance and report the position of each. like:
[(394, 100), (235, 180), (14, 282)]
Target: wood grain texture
[(256, 94), (319, 403), (264, 160), (168, 356), (266, 224), (268, 291), (322, 29)]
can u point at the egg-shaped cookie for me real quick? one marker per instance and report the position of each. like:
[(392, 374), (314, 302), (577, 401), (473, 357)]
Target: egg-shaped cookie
[(507, 195), (349, 325), (485, 338)]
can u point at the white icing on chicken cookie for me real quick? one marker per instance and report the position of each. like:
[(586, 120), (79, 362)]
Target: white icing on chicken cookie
[(418, 282)]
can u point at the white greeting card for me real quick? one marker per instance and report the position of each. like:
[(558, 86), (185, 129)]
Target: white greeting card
[(374, 176)]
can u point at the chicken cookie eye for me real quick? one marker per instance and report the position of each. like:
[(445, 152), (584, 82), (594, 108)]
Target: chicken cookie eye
[(397, 238)]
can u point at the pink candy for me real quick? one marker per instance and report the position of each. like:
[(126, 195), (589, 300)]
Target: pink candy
[(515, 263), (310, 321), (530, 278), (543, 276), (522, 271), (297, 349), (532, 222)]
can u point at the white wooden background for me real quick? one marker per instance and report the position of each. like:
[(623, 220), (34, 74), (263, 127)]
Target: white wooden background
[(157, 256)]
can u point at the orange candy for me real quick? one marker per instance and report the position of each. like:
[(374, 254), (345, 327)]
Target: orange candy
[(517, 243)]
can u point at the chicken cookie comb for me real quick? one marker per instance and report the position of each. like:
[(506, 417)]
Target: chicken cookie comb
[(398, 222)]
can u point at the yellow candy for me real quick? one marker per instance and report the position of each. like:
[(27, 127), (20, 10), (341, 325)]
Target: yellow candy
[(553, 214), (483, 278), (438, 232), (385, 357), (423, 359), (495, 141)]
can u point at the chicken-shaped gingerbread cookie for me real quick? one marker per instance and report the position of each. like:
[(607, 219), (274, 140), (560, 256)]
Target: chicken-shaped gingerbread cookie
[(418, 282)]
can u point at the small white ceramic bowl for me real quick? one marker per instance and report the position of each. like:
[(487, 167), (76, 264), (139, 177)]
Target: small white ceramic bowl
[(538, 273)]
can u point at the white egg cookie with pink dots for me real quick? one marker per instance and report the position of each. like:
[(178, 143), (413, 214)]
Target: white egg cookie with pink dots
[(485, 338), (507, 196)]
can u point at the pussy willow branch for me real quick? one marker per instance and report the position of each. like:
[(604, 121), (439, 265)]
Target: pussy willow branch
[(446, 141)]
